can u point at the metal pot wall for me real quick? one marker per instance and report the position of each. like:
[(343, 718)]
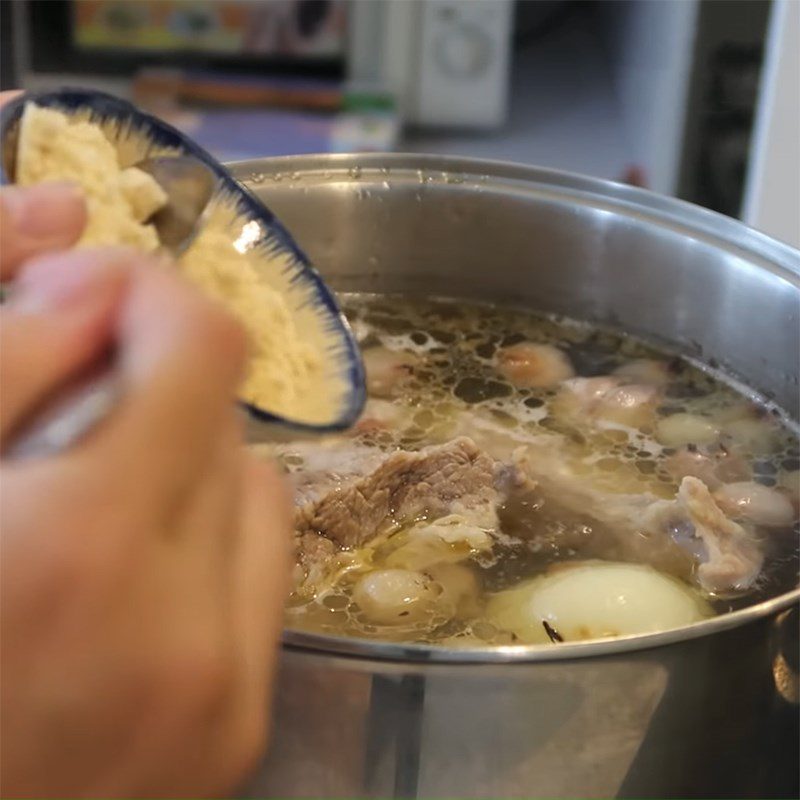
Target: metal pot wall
[(709, 710)]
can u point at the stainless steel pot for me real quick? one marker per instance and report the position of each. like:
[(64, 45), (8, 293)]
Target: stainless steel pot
[(709, 710)]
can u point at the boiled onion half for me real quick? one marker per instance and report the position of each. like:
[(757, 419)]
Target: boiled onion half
[(595, 600)]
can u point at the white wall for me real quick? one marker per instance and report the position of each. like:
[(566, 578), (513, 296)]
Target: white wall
[(772, 191), (651, 47)]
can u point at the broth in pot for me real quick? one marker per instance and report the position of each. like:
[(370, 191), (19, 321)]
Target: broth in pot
[(524, 479)]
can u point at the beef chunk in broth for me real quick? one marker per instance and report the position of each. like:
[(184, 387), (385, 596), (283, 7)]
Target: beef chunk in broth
[(328, 469), (431, 483)]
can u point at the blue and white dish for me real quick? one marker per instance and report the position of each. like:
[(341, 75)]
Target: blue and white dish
[(138, 135)]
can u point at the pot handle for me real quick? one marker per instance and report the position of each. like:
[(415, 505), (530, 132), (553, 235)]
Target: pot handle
[(785, 655)]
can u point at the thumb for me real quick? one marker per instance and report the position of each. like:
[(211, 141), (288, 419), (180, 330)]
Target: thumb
[(36, 219), (60, 319)]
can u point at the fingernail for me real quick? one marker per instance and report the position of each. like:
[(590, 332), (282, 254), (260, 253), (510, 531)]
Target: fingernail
[(45, 211), (67, 280)]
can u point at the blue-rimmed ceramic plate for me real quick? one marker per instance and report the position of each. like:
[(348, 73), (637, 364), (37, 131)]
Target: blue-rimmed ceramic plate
[(283, 265)]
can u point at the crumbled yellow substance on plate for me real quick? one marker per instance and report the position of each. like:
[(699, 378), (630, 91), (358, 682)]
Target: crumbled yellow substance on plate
[(284, 367), (52, 147)]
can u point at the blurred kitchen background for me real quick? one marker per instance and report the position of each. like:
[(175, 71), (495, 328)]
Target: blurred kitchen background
[(694, 98)]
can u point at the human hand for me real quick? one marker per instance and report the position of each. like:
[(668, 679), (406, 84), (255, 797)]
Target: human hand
[(143, 572)]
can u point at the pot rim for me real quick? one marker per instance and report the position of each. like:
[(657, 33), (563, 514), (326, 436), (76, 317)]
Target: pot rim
[(725, 232), (510, 654), (729, 234)]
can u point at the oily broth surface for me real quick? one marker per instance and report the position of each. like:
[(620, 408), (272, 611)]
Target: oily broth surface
[(456, 345)]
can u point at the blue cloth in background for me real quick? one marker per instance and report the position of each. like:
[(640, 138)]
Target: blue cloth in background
[(232, 135)]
